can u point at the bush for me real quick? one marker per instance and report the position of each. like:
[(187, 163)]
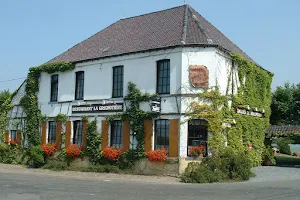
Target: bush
[(158, 155), (284, 146), (35, 156), (112, 154), (229, 165), (93, 143), (49, 149), (55, 165), (268, 157), (73, 151)]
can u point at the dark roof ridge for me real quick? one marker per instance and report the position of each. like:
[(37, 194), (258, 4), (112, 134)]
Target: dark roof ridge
[(153, 12), (185, 25)]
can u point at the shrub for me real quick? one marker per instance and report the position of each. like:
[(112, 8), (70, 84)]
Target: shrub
[(112, 154), (73, 151), (93, 143), (158, 155), (229, 165), (284, 146), (49, 149), (268, 157), (35, 156), (55, 165)]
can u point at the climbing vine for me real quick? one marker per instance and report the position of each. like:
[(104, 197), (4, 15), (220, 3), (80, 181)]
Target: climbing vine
[(93, 143), (254, 91), (134, 114), (30, 100)]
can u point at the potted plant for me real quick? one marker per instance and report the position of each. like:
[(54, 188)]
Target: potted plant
[(197, 152)]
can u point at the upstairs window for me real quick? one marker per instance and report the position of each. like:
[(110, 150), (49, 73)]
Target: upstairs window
[(163, 77), (52, 132), (162, 134), (54, 88), (117, 82), (77, 133), (79, 87), (116, 134)]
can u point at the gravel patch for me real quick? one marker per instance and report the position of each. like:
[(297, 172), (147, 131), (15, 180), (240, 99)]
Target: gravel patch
[(272, 173), (4, 168)]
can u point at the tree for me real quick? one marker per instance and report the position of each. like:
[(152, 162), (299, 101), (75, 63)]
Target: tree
[(3, 96), (286, 105)]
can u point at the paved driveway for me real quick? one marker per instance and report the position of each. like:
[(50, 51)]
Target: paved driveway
[(23, 184)]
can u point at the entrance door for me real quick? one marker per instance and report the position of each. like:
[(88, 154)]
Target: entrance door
[(197, 134)]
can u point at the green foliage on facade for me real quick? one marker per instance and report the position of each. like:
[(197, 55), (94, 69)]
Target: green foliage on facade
[(134, 114), (93, 143), (254, 91), (30, 100)]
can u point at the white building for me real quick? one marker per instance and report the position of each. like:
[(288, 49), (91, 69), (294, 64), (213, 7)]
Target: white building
[(156, 51)]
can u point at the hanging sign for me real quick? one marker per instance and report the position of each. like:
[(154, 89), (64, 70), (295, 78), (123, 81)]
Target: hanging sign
[(249, 112), (97, 108), (155, 106)]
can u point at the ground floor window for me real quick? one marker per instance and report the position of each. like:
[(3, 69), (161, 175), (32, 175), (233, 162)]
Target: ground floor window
[(77, 132), (162, 134), (51, 132), (13, 135), (116, 134), (197, 134)]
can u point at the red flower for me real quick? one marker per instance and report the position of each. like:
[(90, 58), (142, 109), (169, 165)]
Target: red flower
[(12, 141), (49, 149), (111, 153), (73, 151), (196, 151), (158, 155)]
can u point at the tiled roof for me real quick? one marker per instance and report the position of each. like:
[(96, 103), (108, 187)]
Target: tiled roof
[(179, 26), (283, 130)]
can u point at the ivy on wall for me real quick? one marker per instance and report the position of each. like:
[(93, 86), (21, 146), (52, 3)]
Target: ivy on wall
[(134, 114), (254, 91), (30, 100)]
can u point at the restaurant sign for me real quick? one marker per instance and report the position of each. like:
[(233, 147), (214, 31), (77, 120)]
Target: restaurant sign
[(97, 108), (249, 112)]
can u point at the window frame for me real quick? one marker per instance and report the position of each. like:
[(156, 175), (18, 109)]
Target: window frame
[(165, 87), (51, 130), (79, 85), (54, 88), (118, 85), (116, 131), (162, 132), (203, 129), (76, 125)]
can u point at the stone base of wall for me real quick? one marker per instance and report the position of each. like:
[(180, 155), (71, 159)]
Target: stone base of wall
[(145, 167), (184, 162), (80, 162)]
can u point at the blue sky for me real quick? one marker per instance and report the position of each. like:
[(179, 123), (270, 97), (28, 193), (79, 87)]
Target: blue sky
[(33, 31)]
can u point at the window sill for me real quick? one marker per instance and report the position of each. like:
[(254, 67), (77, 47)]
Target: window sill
[(194, 158)]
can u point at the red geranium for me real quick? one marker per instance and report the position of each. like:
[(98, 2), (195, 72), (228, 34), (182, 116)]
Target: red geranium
[(12, 141), (111, 153), (158, 155), (49, 149), (73, 151), (196, 151)]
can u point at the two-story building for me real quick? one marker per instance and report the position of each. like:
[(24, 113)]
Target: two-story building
[(174, 53)]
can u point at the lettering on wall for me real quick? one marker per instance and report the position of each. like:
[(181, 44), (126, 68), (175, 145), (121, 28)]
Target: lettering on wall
[(97, 108), (249, 112), (199, 76)]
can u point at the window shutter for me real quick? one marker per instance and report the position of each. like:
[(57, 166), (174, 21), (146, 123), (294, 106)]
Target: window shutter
[(104, 142), (126, 135), (19, 136), (174, 130), (44, 131), (6, 137), (84, 129), (58, 135), (68, 133), (148, 135)]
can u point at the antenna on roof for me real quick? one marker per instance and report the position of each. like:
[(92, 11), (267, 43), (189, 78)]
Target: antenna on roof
[(185, 2)]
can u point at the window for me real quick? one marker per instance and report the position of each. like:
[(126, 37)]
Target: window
[(162, 134), (116, 134), (77, 132), (54, 88), (51, 132), (117, 82), (13, 135), (197, 134), (79, 90), (163, 77)]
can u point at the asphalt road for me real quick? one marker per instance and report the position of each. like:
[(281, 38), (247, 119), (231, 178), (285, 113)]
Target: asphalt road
[(35, 186)]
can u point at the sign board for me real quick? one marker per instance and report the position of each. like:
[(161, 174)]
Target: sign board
[(248, 112), (155, 106), (198, 75), (98, 108)]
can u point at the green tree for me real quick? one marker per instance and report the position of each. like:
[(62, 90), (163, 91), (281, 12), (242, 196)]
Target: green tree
[(286, 105), (3, 96)]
